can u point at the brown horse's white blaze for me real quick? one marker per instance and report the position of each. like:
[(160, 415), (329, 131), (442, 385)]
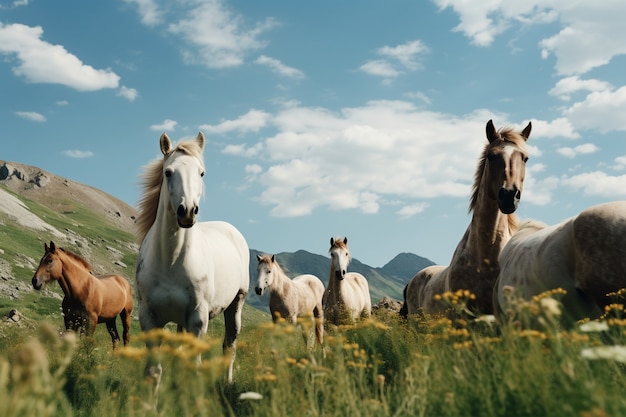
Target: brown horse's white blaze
[(498, 184), (291, 298), (88, 300), (347, 296), (584, 255)]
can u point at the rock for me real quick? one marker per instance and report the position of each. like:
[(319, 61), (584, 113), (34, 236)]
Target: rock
[(40, 180), (388, 303), (8, 171), (14, 316)]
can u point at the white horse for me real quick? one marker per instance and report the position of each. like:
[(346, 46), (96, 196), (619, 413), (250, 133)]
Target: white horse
[(291, 298), (187, 272), (347, 297), (584, 255)]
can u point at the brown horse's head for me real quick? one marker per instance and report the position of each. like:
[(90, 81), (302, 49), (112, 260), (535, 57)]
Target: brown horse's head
[(502, 167), (50, 267)]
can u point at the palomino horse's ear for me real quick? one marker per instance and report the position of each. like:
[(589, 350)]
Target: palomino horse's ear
[(345, 240), (332, 242), (200, 139), (166, 144), (491, 131), (273, 258), (526, 131)]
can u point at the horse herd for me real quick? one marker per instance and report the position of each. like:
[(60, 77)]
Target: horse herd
[(187, 272)]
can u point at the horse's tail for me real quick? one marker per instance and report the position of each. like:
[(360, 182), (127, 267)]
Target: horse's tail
[(404, 311)]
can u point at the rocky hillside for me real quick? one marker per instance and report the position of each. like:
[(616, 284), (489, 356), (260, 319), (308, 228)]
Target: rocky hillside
[(37, 206)]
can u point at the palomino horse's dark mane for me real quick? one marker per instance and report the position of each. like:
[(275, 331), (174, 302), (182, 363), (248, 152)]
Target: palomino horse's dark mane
[(506, 134), (151, 182)]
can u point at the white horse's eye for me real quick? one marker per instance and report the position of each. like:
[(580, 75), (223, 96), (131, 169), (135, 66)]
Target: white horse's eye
[(168, 174), (202, 174)]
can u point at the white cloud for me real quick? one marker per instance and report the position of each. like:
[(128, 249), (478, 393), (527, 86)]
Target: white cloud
[(168, 125), (597, 183), (568, 152), (418, 95), (591, 33), (75, 153), (565, 87), (249, 122), (149, 11), (601, 110), (406, 53), (620, 163), (411, 210), (129, 94), (41, 62), (278, 67), (217, 35), (403, 57), (31, 115), (380, 68), (62, 103), (364, 157)]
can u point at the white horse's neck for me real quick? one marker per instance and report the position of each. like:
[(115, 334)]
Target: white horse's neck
[(169, 239)]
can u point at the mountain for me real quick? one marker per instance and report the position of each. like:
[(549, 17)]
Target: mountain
[(37, 206)]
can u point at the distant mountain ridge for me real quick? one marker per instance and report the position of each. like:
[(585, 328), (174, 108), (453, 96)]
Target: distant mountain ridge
[(100, 227)]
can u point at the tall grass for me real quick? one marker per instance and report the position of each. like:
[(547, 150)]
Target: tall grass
[(428, 366)]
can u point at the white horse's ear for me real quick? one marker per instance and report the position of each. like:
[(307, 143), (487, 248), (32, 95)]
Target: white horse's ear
[(491, 131), (258, 257), (345, 240), (200, 139), (166, 144), (332, 241), (273, 257), (526, 131)]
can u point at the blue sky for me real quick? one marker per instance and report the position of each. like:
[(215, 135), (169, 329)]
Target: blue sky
[(357, 118)]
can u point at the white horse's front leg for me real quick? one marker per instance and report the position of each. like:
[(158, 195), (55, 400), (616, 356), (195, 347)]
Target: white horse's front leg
[(198, 323)]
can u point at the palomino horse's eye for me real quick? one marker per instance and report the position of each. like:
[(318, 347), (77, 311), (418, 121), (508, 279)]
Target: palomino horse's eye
[(525, 159)]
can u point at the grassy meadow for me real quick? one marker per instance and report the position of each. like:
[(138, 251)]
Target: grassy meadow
[(428, 366)]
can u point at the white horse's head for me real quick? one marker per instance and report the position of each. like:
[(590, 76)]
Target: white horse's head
[(265, 273), (339, 256), (183, 170)]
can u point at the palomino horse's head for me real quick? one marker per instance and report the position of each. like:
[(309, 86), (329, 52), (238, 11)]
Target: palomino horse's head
[(504, 166), (50, 267), (265, 273), (183, 170), (339, 256)]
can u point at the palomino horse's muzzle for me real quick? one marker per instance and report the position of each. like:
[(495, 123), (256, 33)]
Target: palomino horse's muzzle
[(339, 274), (186, 217), (258, 291), (508, 199)]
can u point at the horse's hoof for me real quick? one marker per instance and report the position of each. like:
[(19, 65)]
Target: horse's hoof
[(154, 373)]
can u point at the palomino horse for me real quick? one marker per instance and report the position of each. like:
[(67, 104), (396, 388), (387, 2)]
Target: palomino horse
[(584, 255), (347, 297), (496, 193), (88, 300), (187, 272), (291, 298)]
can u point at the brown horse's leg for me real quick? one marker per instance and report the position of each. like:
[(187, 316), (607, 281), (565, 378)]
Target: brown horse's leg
[(125, 316), (112, 328)]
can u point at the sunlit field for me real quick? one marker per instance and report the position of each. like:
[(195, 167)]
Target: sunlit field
[(426, 366)]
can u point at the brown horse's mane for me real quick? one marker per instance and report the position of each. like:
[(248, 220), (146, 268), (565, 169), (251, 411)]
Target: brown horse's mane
[(79, 259), (151, 182), (506, 134)]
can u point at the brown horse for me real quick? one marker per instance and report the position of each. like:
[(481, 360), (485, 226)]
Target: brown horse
[(89, 300), (496, 193)]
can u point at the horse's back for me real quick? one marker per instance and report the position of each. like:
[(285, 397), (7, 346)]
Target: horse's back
[(600, 241), (312, 283), (421, 289), (361, 291)]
